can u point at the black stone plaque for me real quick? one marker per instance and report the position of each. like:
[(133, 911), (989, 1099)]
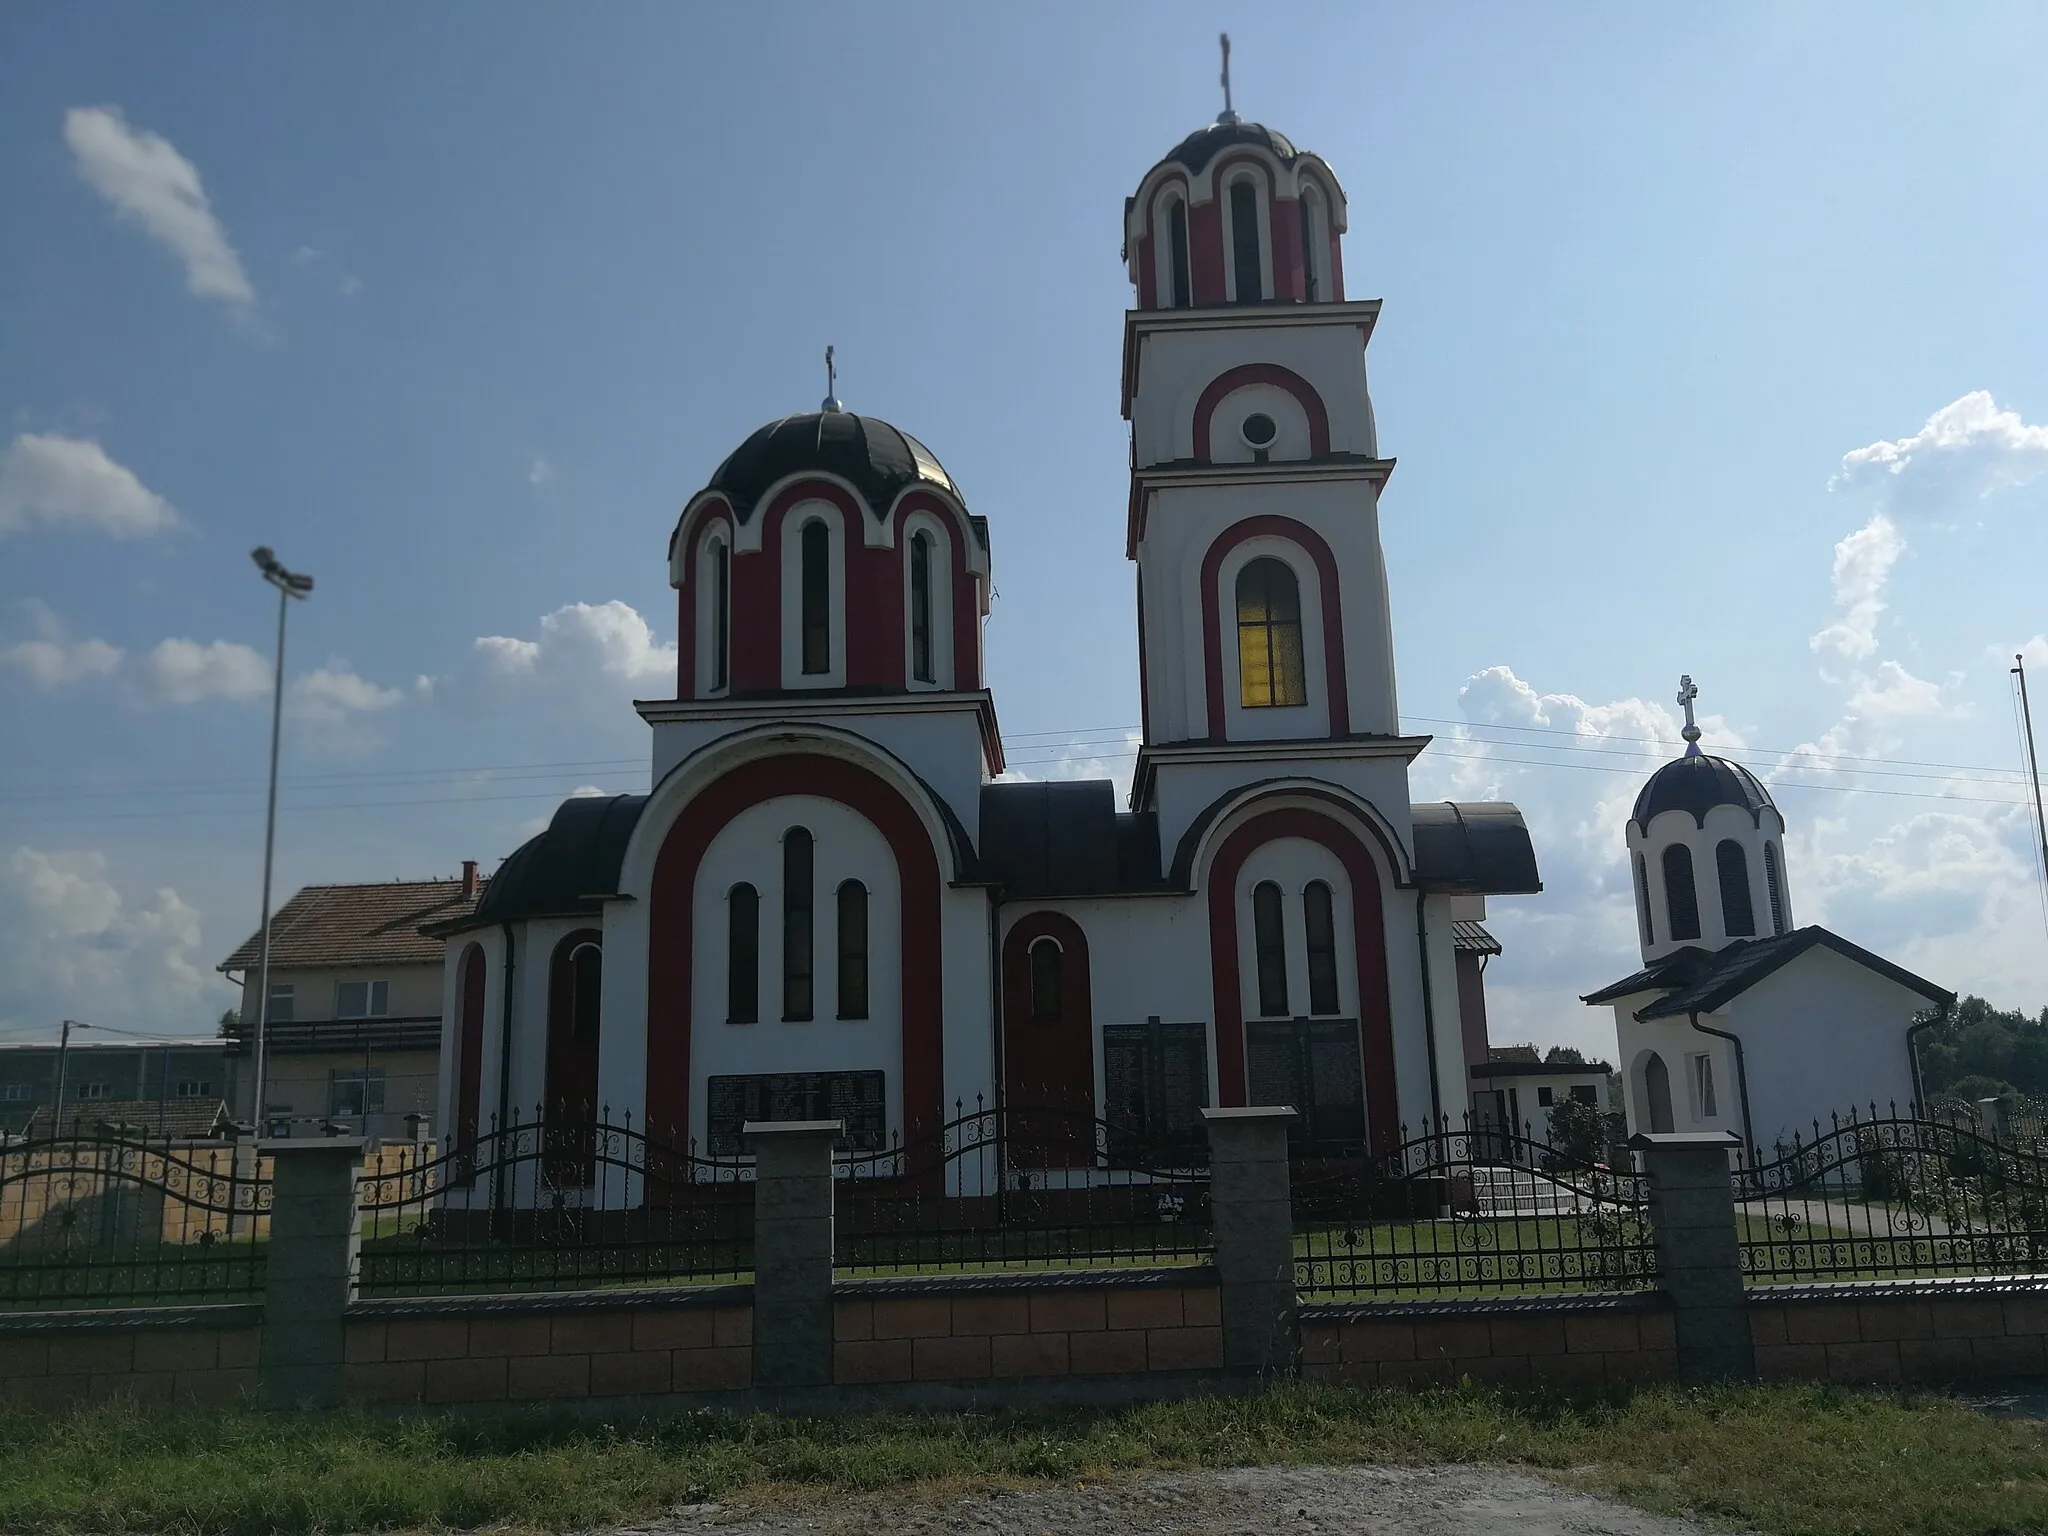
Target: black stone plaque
[(858, 1098)]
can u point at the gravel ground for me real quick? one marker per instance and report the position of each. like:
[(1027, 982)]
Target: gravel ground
[(1250, 1501)]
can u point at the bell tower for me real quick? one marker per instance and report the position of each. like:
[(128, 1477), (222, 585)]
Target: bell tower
[(1264, 636)]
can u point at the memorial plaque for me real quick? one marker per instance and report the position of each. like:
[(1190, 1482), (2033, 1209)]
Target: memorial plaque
[(858, 1098), (1155, 1084), (1273, 1072), (1337, 1080)]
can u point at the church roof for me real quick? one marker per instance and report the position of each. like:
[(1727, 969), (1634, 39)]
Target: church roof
[(1474, 846), (1066, 839), (1695, 784), (1695, 980), (1207, 142), (877, 459), (566, 870)]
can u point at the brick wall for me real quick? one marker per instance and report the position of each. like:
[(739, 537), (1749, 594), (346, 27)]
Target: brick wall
[(203, 1355), (1549, 1341), (1870, 1331), (977, 1328)]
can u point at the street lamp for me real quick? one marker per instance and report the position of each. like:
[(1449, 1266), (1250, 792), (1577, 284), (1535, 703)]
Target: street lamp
[(289, 584)]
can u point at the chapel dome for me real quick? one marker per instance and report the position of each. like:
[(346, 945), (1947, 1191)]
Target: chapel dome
[(1695, 784), (1212, 139), (877, 459)]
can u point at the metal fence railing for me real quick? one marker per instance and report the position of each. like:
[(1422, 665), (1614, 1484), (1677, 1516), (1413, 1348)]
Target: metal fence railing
[(555, 1202), (1879, 1196), (1023, 1187), (121, 1219), (1469, 1211)]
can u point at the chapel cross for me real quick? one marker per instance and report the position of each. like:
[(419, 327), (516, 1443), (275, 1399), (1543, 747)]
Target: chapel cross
[(831, 383), (1229, 114), (1688, 690)]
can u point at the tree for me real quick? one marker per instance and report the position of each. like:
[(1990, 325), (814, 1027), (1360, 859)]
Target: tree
[(1578, 1130), (1565, 1056), (231, 1025), (1972, 1039)]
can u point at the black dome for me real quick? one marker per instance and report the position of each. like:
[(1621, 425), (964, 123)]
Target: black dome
[(1695, 784), (876, 458), (1205, 144), (570, 867)]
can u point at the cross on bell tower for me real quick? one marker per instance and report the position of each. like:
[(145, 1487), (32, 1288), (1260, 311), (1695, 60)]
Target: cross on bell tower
[(1688, 690), (831, 384), (1228, 114)]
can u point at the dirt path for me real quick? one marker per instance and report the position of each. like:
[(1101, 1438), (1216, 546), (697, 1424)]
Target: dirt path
[(1250, 1501)]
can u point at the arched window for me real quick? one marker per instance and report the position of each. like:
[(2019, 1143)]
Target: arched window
[(796, 925), (1271, 671), (921, 668), (1643, 902), (853, 950), (1774, 883), (1314, 242), (586, 988), (742, 954), (721, 614), (817, 598), (1738, 911), (1681, 899), (1269, 937), (1657, 1094), (1244, 240), (1319, 918), (1045, 981), (1180, 290)]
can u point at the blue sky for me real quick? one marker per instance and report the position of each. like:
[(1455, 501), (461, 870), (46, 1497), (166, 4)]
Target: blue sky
[(1712, 342)]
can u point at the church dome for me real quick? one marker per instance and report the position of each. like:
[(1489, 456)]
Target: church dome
[(1698, 782), (878, 460), (1207, 142)]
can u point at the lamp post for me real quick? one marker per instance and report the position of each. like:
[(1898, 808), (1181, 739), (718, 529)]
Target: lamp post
[(289, 584)]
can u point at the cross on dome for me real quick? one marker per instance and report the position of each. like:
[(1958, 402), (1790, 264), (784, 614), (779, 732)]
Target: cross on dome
[(831, 402), (1228, 114), (1688, 690)]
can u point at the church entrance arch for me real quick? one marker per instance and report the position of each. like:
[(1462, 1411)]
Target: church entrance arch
[(1655, 1086)]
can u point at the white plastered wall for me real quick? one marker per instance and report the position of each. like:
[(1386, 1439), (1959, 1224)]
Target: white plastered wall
[(1182, 791), (1723, 821), (1176, 366)]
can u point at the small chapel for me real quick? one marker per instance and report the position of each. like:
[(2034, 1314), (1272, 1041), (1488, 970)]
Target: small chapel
[(1740, 1020), (835, 903)]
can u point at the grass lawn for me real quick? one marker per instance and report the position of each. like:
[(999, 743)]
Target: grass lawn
[(1783, 1460)]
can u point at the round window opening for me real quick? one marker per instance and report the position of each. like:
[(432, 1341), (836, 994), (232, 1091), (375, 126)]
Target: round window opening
[(1259, 430)]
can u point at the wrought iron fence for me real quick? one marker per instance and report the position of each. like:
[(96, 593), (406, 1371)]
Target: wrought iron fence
[(1470, 1210), (120, 1219), (1882, 1195), (561, 1201), (1023, 1187)]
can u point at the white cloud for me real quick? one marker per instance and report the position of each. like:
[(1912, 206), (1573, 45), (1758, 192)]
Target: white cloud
[(325, 264), (538, 471), (334, 692), (73, 946), (69, 482), (189, 671), (55, 663), (1087, 759), (1896, 692), (1863, 564), (1968, 450), (581, 648), (145, 179)]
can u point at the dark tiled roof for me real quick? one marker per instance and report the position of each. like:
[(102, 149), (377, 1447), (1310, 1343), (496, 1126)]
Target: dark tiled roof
[(1695, 784), (1475, 846), (1699, 981), (1519, 1068), (1470, 938), (1066, 839), (1212, 139), (184, 1119), (565, 870), (1514, 1053), (878, 459), (359, 925)]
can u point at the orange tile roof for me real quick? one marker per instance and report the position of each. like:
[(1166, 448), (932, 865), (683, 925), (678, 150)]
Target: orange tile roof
[(360, 924)]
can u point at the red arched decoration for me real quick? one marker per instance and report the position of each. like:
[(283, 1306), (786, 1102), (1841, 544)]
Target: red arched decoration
[(469, 1049), (1262, 373), (686, 595), (671, 928), (1369, 939), (966, 613), (1333, 615), (1048, 1063)]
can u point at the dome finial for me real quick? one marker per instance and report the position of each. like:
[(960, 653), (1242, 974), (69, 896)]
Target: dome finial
[(1688, 690), (831, 384), (1228, 114)]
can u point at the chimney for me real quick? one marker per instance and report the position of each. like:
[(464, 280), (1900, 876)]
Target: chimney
[(468, 879)]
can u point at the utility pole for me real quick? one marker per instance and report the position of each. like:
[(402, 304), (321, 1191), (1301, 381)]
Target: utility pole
[(63, 1050), (2033, 762)]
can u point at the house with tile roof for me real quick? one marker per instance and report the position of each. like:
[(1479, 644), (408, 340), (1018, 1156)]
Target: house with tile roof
[(354, 1023)]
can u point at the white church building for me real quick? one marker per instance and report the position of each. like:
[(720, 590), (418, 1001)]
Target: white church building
[(834, 903), (1739, 1019)]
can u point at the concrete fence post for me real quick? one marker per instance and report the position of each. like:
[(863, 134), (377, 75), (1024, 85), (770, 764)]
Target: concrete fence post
[(1692, 1214), (309, 1268), (1251, 1213), (792, 1250)]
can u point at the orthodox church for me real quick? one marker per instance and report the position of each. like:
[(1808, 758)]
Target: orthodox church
[(833, 902), (1739, 1020)]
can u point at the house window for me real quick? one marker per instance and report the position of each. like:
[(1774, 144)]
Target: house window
[(742, 954), (1269, 938), (1643, 902), (1045, 981), (817, 598), (94, 1091), (796, 925), (1271, 670), (282, 995), (360, 999), (1319, 918), (1585, 1093), (1703, 1086), (853, 950), (586, 984), (353, 1092), (1738, 911), (1314, 1066), (1180, 290), (921, 669), (195, 1088), (1155, 1083), (1244, 240), (1774, 882), (14, 1093), (1680, 898), (721, 614), (1546, 1097)]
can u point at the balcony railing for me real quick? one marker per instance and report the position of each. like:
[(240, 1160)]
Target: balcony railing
[(304, 1037)]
